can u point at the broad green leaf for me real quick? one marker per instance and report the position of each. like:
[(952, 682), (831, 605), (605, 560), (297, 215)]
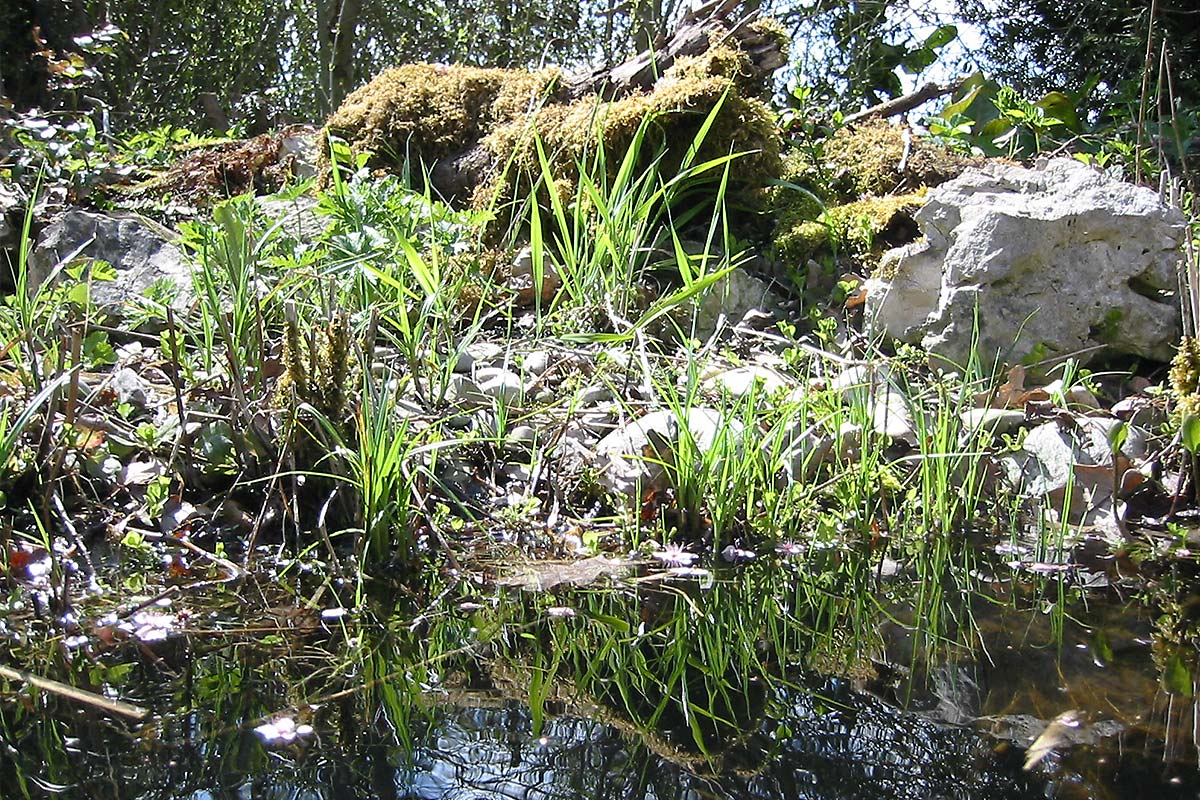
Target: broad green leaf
[(941, 37), (1176, 677), (1190, 433), (1060, 107), (918, 60), (1117, 435), (961, 106)]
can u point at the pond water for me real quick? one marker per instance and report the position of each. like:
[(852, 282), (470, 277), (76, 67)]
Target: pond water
[(658, 684)]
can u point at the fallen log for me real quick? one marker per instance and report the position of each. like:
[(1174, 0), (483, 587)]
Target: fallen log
[(459, 122), (694, 35)]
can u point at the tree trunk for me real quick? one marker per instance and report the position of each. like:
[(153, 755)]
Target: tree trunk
[(341, 70)]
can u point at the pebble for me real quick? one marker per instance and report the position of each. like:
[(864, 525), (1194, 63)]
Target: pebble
[(536, 363), (500, 383), (593, 394)]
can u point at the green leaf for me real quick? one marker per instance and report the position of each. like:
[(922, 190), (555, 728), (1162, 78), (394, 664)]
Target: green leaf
[(102, 271), (941, 37), (918, 60), (134, 540), (1190, 433), (427, 273), (1176, 677), (1117, 435), (1060, 107), (961, 106)]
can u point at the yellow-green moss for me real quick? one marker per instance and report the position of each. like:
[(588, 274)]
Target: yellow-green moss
[(676, 107), (1185, 377), (801, 242), (861, 230), (424, 112), (866, 159), (421, 113)]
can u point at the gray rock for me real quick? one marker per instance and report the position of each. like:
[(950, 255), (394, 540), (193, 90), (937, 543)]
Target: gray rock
[(799, 449), (741, 381), (593, 394), (731, 299), (997, 420), (1076, 460), (462, 389), (301, 147), (131, 388), (1059, 259), (500, 384), (11, 202), (631, 458), (296, 217), (536, 363), (479, 354), (1141, 410), (871, 386), (521, 437), (141, 252)]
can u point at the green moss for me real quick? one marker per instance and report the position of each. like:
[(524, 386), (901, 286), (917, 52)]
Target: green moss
[(425, 112), (802, 242), (866, 160), (861, 230), (419, 113), (677, 108)]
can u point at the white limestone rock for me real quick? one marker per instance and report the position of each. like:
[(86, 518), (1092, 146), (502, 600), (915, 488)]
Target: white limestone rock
[(1056, 259)]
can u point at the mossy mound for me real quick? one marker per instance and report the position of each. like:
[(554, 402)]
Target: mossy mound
[(866, 160), (854, 193), (870, 159), (861, 230), (420, 113), (676, 109)]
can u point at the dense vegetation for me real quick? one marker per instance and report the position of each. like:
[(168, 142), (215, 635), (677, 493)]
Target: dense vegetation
[(374, 410)]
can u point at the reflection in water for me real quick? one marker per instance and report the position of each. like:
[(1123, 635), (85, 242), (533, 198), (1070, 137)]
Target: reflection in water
[(510, 700), (816, 751)]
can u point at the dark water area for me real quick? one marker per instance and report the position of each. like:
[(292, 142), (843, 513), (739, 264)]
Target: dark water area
[(657, 689)]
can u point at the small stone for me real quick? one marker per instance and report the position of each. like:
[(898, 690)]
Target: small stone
[(891, 417), (741, 381), (849, 442), (1141, 410), (499, 383), (997, 420), (485, 352), (464, 364), (536, 363), (634, 454), (593, 395), (521, 437), (462, 389), (130, 388)]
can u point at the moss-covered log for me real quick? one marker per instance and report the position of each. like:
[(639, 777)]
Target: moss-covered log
[(464, 124)]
